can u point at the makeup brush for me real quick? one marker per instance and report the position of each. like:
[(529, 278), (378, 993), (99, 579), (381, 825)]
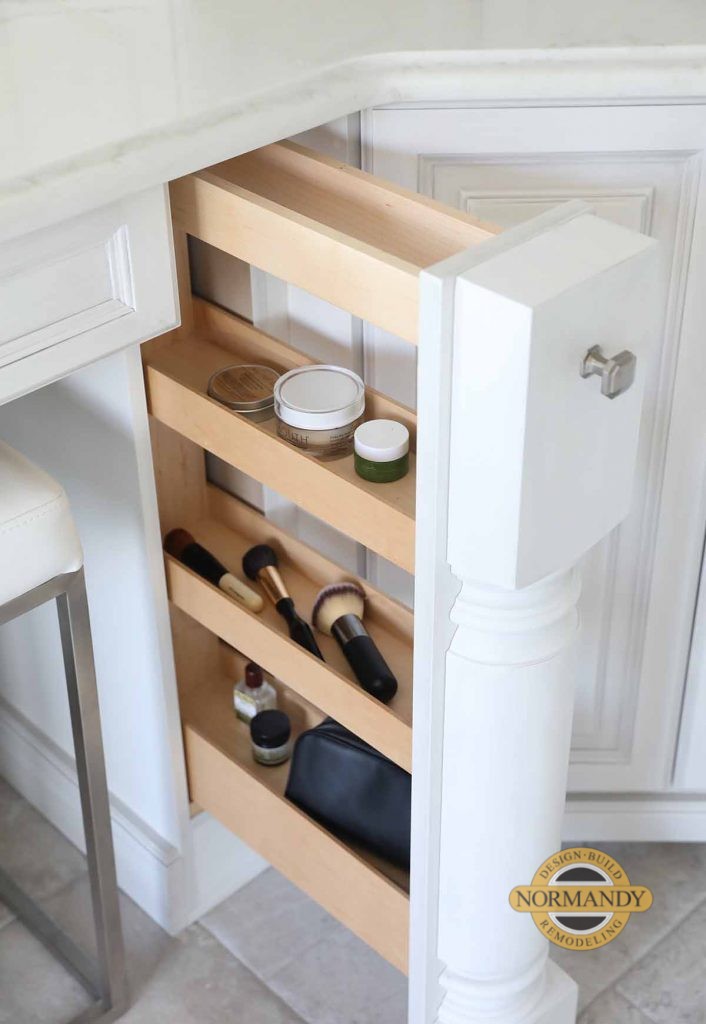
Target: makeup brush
[(338, 611), (182, 546), (260, 563)]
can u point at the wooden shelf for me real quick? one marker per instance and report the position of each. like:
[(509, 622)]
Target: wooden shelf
[(367, 895), (229, 530), (341, 234), (380, 516)]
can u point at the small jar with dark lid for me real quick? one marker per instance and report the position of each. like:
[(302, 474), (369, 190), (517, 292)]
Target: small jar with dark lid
[(271, 737)]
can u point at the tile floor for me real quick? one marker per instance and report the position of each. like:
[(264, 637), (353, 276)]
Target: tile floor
[(268, 955)]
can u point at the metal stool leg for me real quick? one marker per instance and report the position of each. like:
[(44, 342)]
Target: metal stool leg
[(85, 721)]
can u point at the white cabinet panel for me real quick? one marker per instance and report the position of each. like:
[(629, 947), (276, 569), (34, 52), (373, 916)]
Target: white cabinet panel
[(79, 291), (638, 167), (87, 287)]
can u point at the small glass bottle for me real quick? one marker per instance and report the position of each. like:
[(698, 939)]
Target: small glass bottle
[(253, 694)]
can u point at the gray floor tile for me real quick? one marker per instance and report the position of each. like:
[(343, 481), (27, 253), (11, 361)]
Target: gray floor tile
[(313, 962), (299, 964), (199, 982), (611, 1008), (145, 942), (34, 988), (38, 858), (340, 980), (676, 873), (669, 985), (269, 923)]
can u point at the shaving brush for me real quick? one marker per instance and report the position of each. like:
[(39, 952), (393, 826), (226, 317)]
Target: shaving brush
[(338, 611), (260, 563), (182, 546)]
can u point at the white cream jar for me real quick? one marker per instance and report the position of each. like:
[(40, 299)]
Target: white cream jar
[(318, 408)]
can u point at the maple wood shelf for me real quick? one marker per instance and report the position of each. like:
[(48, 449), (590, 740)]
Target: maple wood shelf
[(344, 235), (369, 896), (380, 516), (229, 530)]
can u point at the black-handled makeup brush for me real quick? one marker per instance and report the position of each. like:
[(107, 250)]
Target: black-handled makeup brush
[(338, 611), (260, 563), (182, 546)]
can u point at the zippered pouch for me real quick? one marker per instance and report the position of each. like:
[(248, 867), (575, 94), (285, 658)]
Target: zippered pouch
[(351, 788)]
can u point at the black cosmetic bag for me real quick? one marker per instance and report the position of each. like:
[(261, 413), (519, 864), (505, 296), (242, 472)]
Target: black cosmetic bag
[(348, 786)]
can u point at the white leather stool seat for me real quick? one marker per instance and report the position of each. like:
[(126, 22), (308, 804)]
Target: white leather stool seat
[(38, 538)]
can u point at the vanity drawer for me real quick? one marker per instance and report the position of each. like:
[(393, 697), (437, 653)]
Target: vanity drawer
[(84, 288), (509, 324)]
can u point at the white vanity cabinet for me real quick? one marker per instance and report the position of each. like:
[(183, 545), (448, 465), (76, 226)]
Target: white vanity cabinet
[(641, 167), (87, 288)]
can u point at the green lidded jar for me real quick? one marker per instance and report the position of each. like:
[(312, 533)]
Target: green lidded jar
[(381, 451)]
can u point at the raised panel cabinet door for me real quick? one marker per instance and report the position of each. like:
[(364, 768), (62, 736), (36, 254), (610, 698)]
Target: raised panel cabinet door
[(75, 292), (639, 168), (524, 462)]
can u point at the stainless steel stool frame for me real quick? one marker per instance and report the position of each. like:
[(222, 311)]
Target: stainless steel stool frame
[(105, 979)]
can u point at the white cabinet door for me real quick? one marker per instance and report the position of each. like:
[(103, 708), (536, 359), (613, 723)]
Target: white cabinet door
[(640, 168)]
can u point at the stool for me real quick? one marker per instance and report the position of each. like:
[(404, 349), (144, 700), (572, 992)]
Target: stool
[(41, 560)]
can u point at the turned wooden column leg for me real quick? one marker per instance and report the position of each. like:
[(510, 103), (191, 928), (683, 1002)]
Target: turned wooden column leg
[(507, 730), (523, 463)]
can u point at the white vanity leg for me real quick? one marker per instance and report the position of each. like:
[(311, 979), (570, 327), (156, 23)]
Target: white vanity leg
[(523, 464), (507, 728)]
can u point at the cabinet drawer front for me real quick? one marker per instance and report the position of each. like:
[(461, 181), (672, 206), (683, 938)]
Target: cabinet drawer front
[(50, 302), (75, 292)]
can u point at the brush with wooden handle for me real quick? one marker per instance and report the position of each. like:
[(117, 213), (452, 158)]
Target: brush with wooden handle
[(182, 546), (338, 611), (260, 563)]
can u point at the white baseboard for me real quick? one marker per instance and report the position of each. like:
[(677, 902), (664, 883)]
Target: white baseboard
[(220, 864), (175, 888), (634, 818)]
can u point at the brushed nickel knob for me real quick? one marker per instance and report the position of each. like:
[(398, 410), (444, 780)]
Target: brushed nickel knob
[(617, 372)]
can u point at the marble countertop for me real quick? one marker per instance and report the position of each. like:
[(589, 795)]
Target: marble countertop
[(100, 98)]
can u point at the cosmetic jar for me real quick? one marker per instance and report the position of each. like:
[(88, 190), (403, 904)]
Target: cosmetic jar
[(246, 388), (270, 735), (318, 408), (381, 451)]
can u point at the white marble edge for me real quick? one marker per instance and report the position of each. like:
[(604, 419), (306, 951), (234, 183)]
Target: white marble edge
[(576, 75)]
